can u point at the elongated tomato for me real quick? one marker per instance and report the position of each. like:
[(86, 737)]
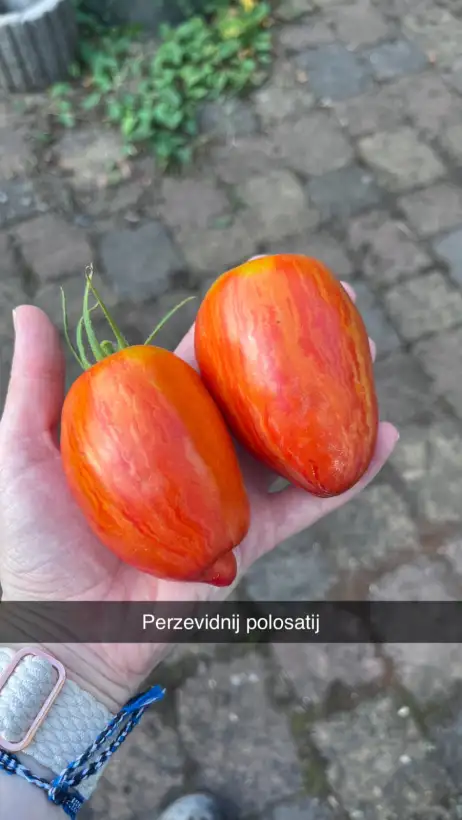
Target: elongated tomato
[(152, 466), (284, 352)]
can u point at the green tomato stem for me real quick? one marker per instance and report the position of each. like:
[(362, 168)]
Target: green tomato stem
[(101, 350)]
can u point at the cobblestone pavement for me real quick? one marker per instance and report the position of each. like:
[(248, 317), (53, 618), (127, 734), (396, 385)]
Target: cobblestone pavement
[(352, 153)]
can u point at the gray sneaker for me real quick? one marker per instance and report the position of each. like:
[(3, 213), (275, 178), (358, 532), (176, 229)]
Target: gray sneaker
[(197, 807)]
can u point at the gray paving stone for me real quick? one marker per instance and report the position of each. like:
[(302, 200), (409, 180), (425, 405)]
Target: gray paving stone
[(344, 193), (358, 23), (297, 570), (275, 103), (424, 305), (429, 671), (434, 209), (305, 809), (437, 31), (52, 248), (441, 357), (429, 460), (368, 531), (400, 159), (313, 669), (387, 248), (109, 201), (394, 59), (276, 206), (429, 102), (449, 249), (173, 331), (319, 245), (447, 738), (19, 199), (379, 765), (192, 202), (335, 73), (403, 389), (140, 262), (214, 251), (48, 298), (16, 152), (228, 119), (451, 140), (378, 327), (292, 9), (382, 109), (89, 155), (142, 774), (237, 160), (305, 34), (313, 145), (243, 720)]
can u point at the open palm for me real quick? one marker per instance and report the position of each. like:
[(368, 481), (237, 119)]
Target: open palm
[(47, 551)]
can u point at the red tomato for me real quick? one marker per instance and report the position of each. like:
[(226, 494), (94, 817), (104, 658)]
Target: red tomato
[(284, 352), (151, 464)]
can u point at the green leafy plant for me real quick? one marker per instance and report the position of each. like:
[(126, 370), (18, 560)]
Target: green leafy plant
[(152, 93)]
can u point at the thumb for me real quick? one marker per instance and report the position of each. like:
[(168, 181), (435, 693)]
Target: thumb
[(36, 389)]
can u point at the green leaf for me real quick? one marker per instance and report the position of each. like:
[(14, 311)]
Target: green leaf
[(60, 90), (91, 101)]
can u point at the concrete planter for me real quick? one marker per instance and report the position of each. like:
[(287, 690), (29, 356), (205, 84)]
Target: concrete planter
[(37, 43), (150, 14)]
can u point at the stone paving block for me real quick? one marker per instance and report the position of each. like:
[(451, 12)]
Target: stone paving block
[(276, 206), (89, 155), (11, 295), (147, 767), (449, 249), (215, 251), (292, 9), (153, 312), (434, 209), (313, 669), (403, 389), (344, 193), (387, 248), (378, 327), (395, 59), (48, 298), (277, 104), (334, 72), (382, 109), (429, 460), (429, 671), (437, 31), (19, 199), (424, 305), (441, 357), (400, 159), (110, 201), (16, 152), (451, 140), (192, 202), (358, 23), (379, 765), (313, 144), (305, 34), (368, 531), (140, 262), (430, 103), (243, 720), (228, 119), (305, 809), (297, 570), (319, 245), (52, 248), (237, 160)]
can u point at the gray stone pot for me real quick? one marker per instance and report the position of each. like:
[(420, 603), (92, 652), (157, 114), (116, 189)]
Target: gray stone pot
[(149, 14), (37, 43)]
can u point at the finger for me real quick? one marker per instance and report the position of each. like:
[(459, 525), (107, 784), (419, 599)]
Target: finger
[(293, 510), (373, 349), (349, 290), (36, 389), (185, 349)]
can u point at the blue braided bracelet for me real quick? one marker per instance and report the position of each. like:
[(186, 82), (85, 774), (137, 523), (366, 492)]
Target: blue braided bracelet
[(62, 791)]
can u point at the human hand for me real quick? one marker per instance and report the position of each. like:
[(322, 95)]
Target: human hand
[(47, 551)]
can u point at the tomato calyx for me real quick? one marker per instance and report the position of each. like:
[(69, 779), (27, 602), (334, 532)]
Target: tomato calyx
[(101, 350)]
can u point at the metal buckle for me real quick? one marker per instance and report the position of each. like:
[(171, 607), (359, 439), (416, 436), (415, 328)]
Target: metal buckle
[(6, 675)]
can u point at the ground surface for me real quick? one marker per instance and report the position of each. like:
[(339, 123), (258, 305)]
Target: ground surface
[(352, 153)]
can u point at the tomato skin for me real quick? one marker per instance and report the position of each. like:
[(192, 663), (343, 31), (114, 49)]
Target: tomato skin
[(152, 466), (285, 353)]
